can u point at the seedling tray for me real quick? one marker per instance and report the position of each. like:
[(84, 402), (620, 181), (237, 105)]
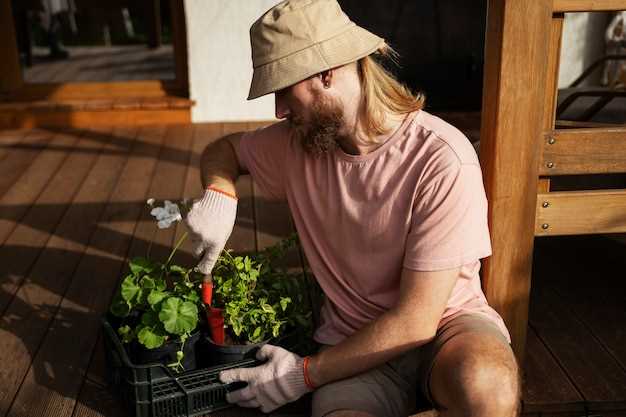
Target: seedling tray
[(155, 391)]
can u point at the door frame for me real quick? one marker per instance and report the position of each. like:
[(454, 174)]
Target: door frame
[(13, 87)]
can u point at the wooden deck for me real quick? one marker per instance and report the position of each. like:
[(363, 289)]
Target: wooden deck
[(72, 208), (102, 64)]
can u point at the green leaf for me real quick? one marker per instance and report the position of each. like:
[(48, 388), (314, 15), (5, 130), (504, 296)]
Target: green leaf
[(126, 333), (178, 269), (267, 308), (161, 285), (238, 263), (192, 297), (276, 329), (178, 316), (284, 302), (149, 338), (119, 307), (237, 327), (150, 319), (141, 265), (142, 297), (247, 263), (147, 282), (129, 289), (257, 333), (156, 297)]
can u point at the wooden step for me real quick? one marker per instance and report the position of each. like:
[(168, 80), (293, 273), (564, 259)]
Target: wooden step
[(86, 113)]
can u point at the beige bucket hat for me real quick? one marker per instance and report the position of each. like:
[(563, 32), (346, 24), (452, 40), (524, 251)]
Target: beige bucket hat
[(299, 38)]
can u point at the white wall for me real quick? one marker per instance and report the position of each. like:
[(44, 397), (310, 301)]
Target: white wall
[(582, 44), (220, 64)]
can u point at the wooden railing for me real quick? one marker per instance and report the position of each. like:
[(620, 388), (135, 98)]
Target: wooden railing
[(522, 150)]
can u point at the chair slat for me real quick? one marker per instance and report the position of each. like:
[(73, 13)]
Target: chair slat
[(584, 151), (588, 5), (580, 212)]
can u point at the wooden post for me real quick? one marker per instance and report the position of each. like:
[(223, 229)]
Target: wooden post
[(516, 56), (154, 23), (179, 40), (10, 70)]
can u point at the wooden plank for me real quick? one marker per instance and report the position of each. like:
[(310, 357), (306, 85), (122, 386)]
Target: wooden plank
[(552, 69), (589, 5), (90, 90), (517, 40), (88, 118), (17, 201), (24, 244), (546, 386), (36, 301), (584, 151), (580, 212), (86, 300), (16, 158), (9, 139), (175, 153), (543, 185), (599, 307), (117, 226), (172, 169), (594, 372)]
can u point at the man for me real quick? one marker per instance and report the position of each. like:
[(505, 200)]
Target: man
[(391, 213)]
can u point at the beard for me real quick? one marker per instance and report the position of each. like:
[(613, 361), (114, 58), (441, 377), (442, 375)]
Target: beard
[(321, 134)]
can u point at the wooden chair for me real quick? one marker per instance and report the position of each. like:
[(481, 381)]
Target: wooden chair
[(521, 150)]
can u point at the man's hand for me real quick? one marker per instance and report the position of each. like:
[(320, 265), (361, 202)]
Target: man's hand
[(275, 383), (210, 222)]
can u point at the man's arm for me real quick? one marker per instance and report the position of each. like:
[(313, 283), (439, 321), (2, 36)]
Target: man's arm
[(212, 217), (219, 166), (409, 324)]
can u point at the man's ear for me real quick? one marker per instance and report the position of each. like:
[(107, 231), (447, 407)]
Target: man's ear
[(326, 78)]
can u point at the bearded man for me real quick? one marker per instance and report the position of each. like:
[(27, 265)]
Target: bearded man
[(389, 206)]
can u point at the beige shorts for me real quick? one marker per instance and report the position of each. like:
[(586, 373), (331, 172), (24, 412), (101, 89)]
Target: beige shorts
[(400, 387)]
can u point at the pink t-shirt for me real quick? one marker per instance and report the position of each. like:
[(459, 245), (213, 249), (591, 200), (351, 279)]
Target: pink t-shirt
[(417, 201)]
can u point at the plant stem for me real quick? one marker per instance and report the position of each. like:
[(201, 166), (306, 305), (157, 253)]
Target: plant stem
[(150, 244), (229, 255), (180, 241)]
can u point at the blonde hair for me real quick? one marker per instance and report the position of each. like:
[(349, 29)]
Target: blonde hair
[(382, 93)]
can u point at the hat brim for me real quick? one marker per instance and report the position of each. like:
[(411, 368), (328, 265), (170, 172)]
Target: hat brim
[(349, 46)]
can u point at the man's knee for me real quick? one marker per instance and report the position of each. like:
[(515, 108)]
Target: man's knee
[(485, 381), (493, 385)]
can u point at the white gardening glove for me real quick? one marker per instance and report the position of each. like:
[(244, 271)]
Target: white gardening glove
[(210, 222), (275, 383)]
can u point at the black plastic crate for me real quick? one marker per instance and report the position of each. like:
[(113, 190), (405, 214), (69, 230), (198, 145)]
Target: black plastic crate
[(155, 391)]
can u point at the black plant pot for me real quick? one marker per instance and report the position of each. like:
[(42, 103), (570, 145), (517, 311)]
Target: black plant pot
[(166, 354), (218, 354)]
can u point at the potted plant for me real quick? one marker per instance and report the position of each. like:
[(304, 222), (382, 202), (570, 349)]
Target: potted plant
[(157, 308), (257, 300), (161, 309)]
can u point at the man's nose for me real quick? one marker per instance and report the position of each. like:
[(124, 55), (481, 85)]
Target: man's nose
[(282, 110)]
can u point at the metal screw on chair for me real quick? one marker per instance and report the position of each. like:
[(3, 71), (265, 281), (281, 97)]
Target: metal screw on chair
[(550, 164), (545, 204), (545, 226), (551, 140)]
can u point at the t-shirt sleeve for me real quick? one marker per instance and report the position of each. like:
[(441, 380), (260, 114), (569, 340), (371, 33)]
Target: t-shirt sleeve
[(449, 220), (263, 154)]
